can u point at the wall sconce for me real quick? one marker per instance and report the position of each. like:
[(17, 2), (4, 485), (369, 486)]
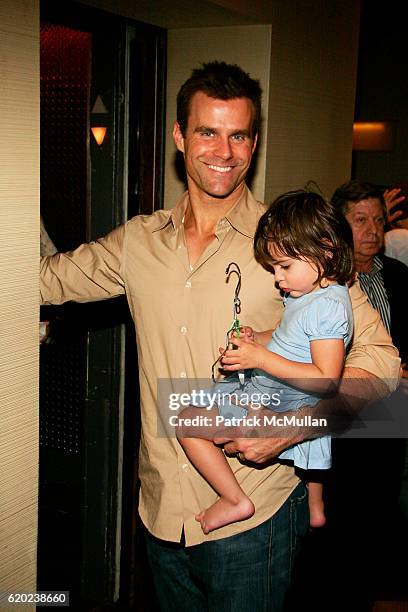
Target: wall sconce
[(373, 136), (98, 119)]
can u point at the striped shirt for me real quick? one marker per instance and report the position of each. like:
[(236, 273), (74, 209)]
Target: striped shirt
[(372, 283)]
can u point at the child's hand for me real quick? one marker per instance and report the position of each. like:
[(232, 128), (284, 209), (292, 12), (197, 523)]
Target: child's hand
[(250, 335), (247, 334), (247, 355)]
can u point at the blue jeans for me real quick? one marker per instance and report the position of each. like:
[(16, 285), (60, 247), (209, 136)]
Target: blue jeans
[(248, 572)]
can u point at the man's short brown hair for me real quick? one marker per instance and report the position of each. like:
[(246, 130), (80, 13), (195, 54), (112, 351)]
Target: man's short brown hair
[(221, 81)]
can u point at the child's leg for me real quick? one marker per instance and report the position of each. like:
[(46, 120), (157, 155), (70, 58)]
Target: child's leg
[(316, 504), (233, 505)]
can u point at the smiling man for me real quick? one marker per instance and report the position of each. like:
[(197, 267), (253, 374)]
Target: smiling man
[(217, 144), (171, 265)]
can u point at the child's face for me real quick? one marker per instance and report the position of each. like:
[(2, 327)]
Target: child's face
[(294, 276)]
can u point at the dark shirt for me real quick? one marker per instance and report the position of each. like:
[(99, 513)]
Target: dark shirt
[(385, 287), (395, 275)]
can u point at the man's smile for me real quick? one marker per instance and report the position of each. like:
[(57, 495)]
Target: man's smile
[(220, 168)]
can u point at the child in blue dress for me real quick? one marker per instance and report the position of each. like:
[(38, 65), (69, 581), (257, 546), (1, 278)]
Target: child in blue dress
[(307, 245)]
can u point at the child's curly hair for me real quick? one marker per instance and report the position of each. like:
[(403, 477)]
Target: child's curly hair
[(302, 225)]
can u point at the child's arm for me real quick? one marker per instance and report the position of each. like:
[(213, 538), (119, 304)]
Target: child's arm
[(318, 376)]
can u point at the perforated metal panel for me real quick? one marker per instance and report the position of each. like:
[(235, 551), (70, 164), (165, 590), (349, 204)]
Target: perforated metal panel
[(62, 395), (65, 85)]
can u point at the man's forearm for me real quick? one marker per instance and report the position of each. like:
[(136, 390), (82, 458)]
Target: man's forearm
[(331, 415), (357, 389)]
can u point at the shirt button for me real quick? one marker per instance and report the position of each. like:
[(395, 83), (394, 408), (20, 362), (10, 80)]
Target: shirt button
[(183, 329), (183, 374), (184, 467), (188, 284)]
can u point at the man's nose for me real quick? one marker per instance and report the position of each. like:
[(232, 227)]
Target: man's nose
[(372, 227), (224, 150)]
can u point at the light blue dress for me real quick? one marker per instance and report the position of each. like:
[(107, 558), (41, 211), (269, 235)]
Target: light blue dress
[(322, 314)]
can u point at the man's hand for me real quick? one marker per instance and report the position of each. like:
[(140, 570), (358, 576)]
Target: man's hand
[(252, 444), (44, 330), (256, 450), (357, 389), (392, 198)]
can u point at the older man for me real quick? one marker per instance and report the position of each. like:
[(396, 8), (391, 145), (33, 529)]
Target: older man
[(380, 277), (365, 505)]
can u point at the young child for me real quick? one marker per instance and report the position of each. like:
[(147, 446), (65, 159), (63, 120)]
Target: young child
[(308, 247)]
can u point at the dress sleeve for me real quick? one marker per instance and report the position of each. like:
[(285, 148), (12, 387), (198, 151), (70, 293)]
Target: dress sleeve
[(327, 318)]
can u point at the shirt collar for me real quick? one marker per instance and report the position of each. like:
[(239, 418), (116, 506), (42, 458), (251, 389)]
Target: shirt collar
[(243, 216), (377, 267), (174, 216)]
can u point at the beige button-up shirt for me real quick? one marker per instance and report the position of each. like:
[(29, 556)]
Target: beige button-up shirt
[(181, 317)]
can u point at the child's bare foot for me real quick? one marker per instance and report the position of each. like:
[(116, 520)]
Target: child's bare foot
[(224, 512), (317, 517)]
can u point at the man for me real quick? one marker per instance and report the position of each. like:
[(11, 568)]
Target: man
[(363, 504), (172, 267), (380, 277)]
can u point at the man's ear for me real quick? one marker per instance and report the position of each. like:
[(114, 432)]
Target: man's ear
[(255, 142), (178, 137)]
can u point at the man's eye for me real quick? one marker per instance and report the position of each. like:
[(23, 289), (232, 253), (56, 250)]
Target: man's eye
[(238, 137), (206, 133)]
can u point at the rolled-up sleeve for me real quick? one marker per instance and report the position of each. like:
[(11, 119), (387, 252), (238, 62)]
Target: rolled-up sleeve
[(372, 349), (92, 272)]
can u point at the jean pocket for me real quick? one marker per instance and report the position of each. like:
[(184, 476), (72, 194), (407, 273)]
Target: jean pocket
[(299, 519)]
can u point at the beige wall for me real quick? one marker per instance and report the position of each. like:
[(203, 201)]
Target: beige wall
[(19, 252), (312, 92), (177, 14), (247, 46)]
